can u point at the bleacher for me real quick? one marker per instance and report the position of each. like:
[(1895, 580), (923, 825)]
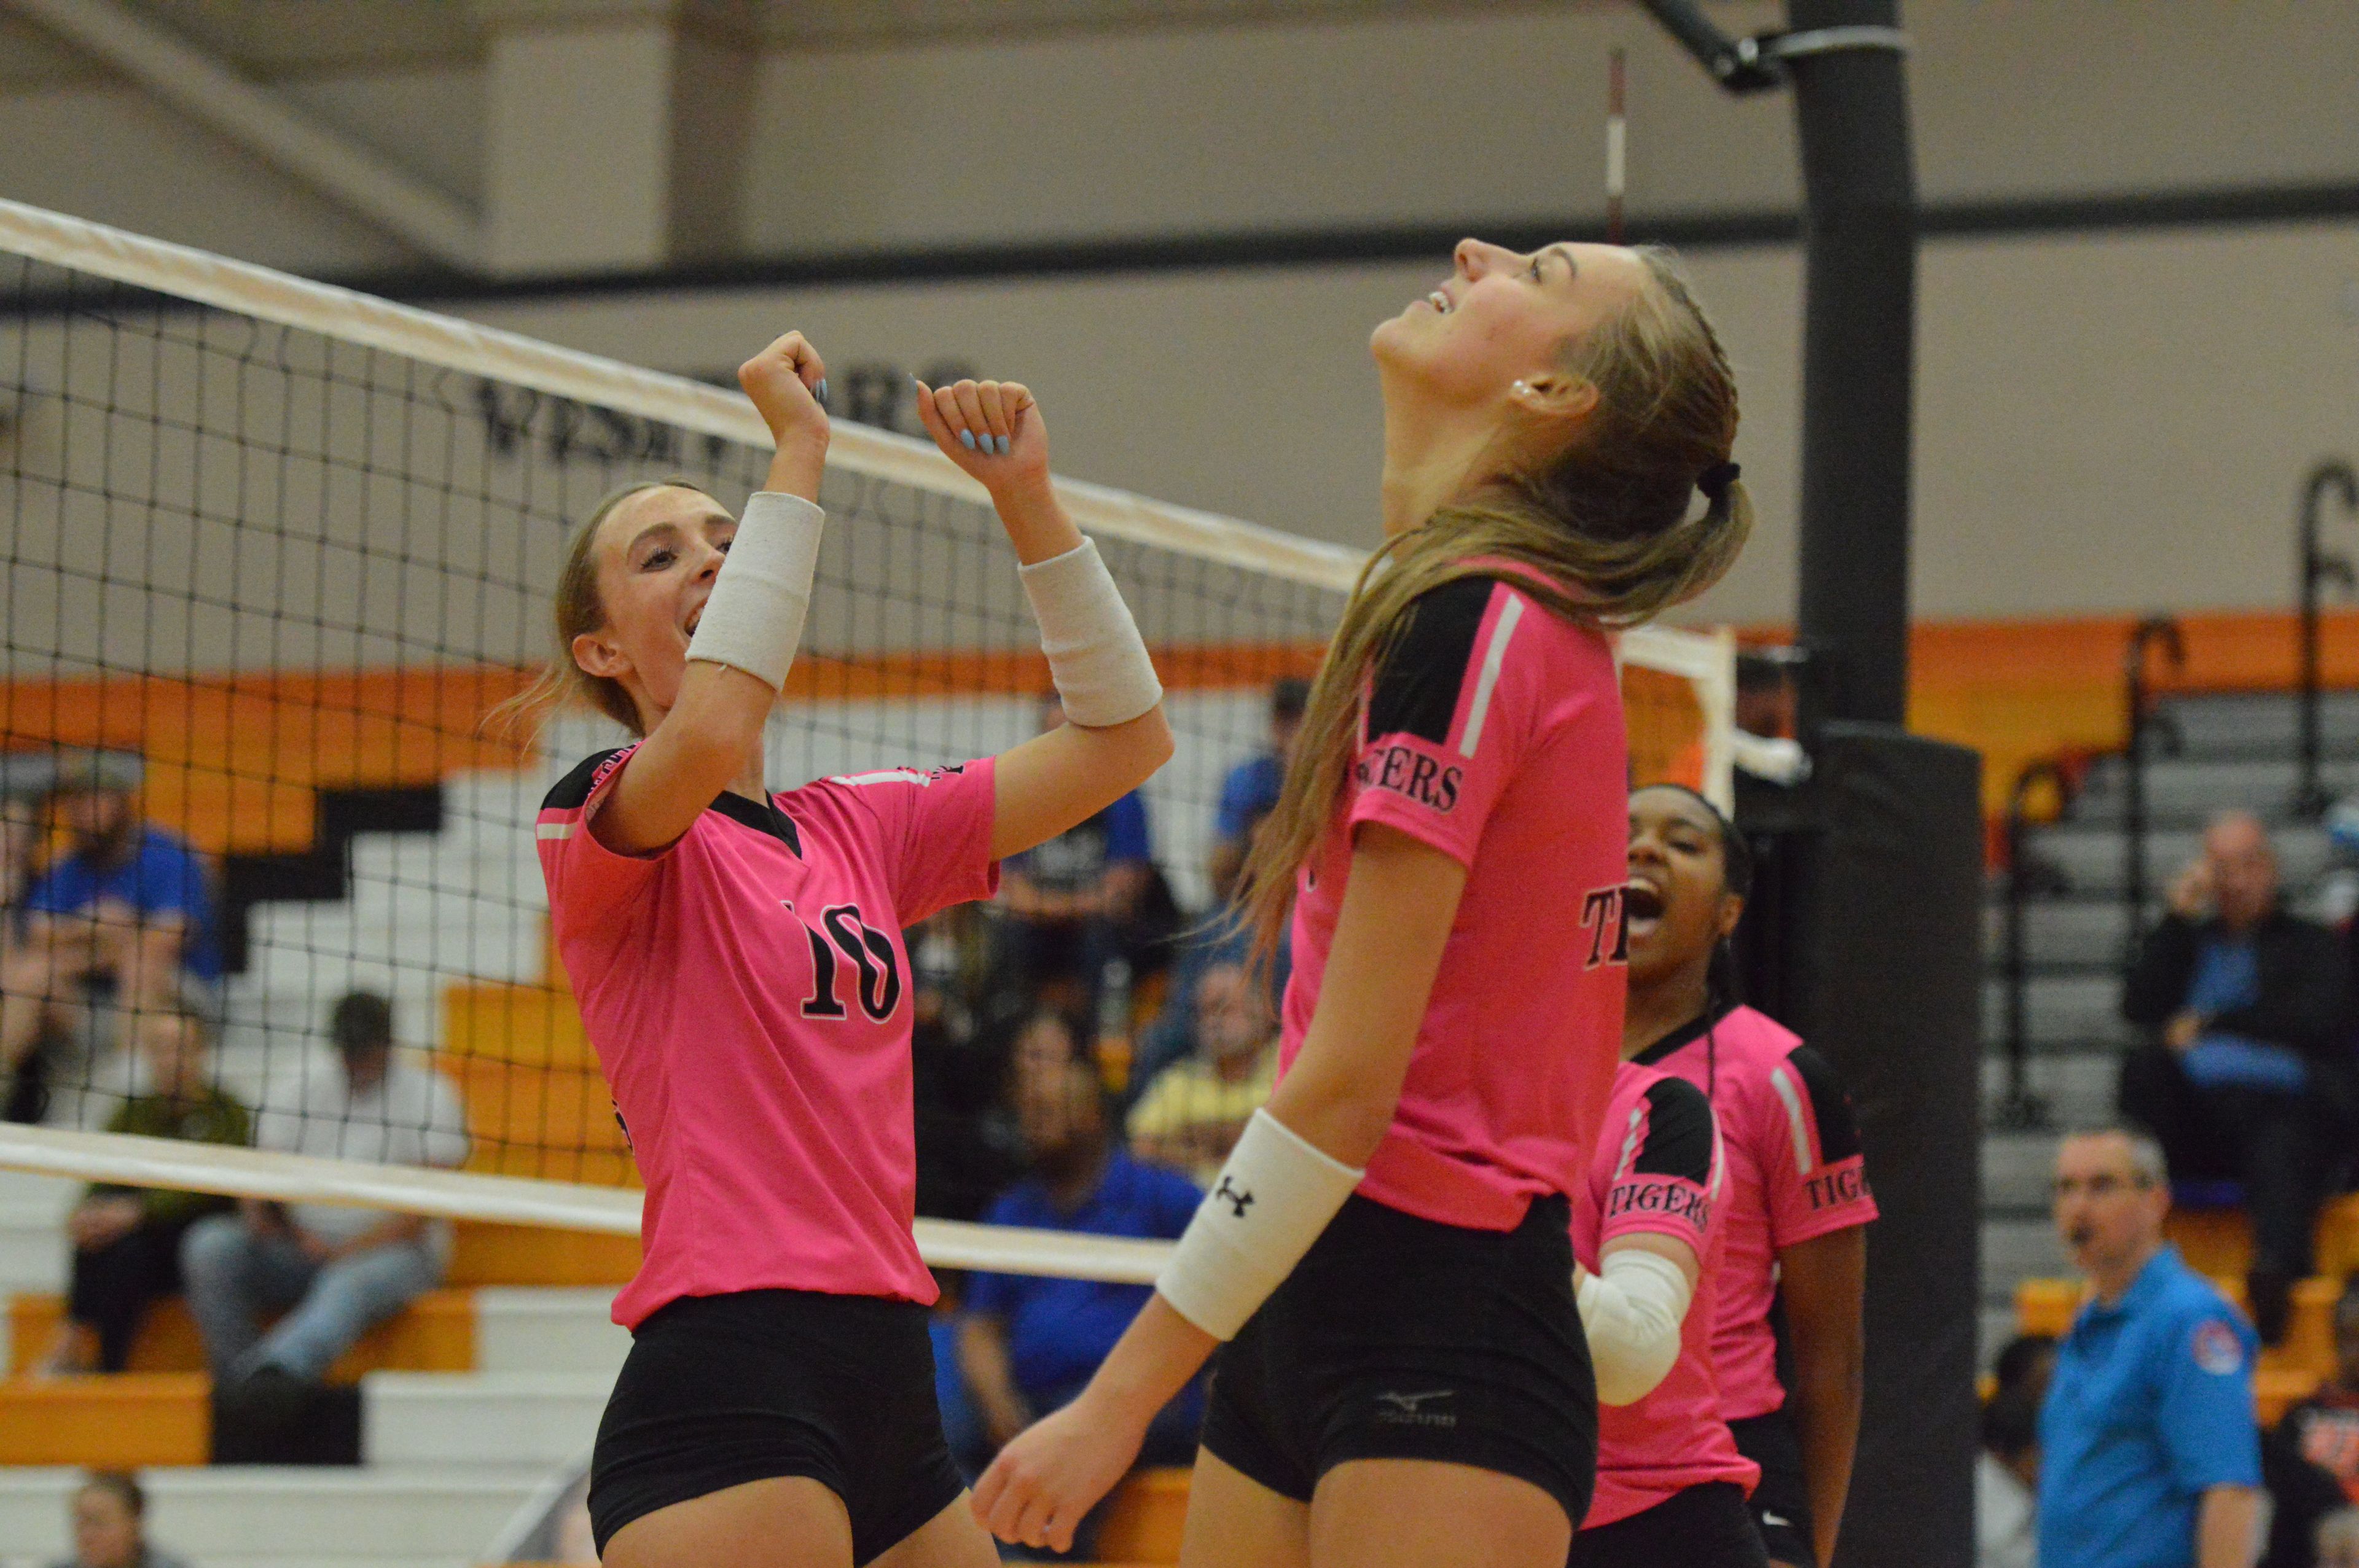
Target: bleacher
[(2226, 751)]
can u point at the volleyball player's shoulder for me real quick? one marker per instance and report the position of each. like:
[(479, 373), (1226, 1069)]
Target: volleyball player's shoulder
[(1831, 1108), (573, 791), (1679, 1130)]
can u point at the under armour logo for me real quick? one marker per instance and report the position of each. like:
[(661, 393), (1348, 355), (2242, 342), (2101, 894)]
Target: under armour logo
[(1237, 1199)]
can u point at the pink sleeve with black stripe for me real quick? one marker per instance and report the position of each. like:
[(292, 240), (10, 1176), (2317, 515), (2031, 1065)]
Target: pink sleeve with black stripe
[(1664, 1146), (1814, 1174)]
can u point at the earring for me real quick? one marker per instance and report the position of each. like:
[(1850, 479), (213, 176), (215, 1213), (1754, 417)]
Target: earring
[(1520, 388)]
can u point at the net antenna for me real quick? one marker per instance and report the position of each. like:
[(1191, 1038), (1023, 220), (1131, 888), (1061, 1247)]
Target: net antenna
[(1617, 136), (289, 544)]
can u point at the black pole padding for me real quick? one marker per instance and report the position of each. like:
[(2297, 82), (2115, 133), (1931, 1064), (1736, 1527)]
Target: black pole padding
[(1859, 228), (1872, 912)]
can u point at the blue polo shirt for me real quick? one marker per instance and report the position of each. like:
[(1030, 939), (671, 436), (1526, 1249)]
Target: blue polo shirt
[(2151, 1407)]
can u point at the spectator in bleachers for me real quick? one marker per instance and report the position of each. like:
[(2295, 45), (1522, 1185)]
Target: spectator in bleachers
[(1250, 790), (110, 1525), (337, 1270), (2324, 1428), (2006, 1477), (1028, 1342), (1190, 1116), (1089, 895), (2244, 1002), (2149, 1450), (121, 923), (126, 1240)]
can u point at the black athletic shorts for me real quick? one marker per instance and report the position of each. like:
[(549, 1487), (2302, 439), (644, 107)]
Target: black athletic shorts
[(1781, 1503), (1703, 1527), (1397, 1337), (720, 1390)]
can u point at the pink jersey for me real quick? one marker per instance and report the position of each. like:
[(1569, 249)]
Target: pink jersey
[(1659, 1169), (1794, 1173), (748, 995), (1493, 733)]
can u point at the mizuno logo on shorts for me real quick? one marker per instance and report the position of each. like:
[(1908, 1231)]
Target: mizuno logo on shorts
[(1408, 1410)]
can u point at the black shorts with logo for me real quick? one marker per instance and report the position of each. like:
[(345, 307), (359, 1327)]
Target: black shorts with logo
[(1703, 1527), (720, 1390), (1397, 1337), (1781, 1503)]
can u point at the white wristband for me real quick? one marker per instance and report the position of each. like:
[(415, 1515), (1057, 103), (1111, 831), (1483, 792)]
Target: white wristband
[(1631, 1313), (1096, 655), (754, 618), (1274, 1197)]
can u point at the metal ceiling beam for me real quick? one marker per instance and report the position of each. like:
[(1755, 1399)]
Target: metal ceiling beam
[(340, 169)]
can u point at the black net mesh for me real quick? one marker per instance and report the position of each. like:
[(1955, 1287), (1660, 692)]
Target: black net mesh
[(266, 585)]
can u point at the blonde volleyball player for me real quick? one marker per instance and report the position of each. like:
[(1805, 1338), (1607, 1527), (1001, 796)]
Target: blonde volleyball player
[(738, 961), (1404, 1378), (1796, 1204)]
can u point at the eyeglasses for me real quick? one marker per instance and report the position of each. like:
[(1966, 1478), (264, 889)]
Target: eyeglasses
[(2098, 1187)]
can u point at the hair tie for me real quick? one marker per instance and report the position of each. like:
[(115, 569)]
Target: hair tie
[(1715, 481)]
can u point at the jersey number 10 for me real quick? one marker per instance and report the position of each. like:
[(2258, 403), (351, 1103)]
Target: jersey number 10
[(840, 929)]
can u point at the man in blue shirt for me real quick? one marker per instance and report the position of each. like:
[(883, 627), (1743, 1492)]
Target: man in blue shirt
[(1029, 1344), (2149, 1444), (120, 922), (2247, 1058)]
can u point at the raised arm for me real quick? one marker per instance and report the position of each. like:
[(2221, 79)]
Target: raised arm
[(1306, 1150), (1115, 735), (709, 737)]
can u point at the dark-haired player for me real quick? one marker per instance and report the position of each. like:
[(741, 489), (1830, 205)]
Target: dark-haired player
[(1797, 1197), (738, 959), (1670, 1483)]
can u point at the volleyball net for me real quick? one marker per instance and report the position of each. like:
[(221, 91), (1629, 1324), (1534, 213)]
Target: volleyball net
[(276, 551)]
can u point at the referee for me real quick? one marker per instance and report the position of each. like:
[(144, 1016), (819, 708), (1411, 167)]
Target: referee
[(2149, 1447)]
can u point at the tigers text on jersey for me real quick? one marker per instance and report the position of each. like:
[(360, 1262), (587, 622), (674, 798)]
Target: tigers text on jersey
[(748, 995), (1659, 1169), (1492, 732), (1795, 1172)]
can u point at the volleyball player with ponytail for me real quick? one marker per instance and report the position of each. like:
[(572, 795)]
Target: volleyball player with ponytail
[(1796, 1202), (1386, 1253), (738, 961)]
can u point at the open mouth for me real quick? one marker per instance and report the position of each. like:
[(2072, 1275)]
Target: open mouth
[(1642, 908), (694, 616), (1440, 301)]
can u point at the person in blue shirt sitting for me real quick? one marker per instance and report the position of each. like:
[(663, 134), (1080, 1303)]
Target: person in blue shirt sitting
[(1028, 1342), (2245, 1063), (2149, 1445), (121, 924), (1251, 788)]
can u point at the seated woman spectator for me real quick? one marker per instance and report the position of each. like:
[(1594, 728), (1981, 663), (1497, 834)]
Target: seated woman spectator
[(110, 1520), (2325, 1427), (121, 924), (126, 1240), (1028, 1342), (1191, 1116), (335, 1271)]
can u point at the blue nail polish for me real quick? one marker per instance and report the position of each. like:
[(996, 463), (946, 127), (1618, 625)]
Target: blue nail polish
[(1004, 444), (820, 391), (966, 440)]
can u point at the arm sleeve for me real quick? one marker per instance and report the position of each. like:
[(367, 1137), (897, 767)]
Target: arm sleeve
[(1668, 1173), (2209, 1435), (934, 833), (1814, 1175), (1449, 715), (2156, 985), (586, 880)]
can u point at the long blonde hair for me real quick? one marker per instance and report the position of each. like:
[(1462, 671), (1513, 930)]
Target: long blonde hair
[(580, 608), (1605, 525)]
